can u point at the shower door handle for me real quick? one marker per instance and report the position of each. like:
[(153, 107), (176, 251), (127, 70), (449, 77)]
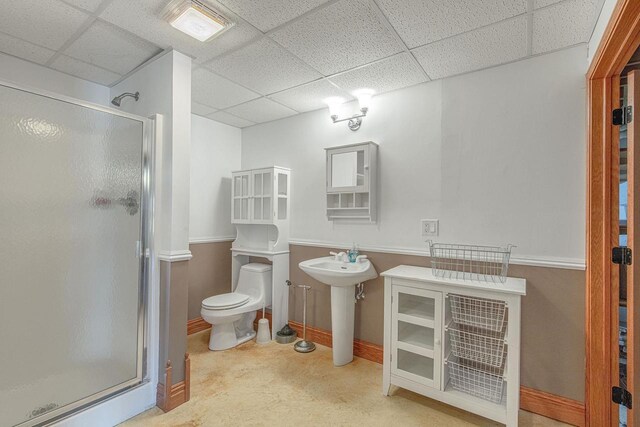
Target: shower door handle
[(130, 202)]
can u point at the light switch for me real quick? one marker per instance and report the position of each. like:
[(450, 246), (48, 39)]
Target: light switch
[(429, 227)]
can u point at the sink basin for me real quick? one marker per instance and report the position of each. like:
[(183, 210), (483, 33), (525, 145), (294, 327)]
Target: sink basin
[(338, 273), (343, 278)]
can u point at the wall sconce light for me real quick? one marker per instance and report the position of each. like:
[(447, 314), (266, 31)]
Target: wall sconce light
[(335, 106)]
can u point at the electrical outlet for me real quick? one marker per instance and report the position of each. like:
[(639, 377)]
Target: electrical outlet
[(429, 227)]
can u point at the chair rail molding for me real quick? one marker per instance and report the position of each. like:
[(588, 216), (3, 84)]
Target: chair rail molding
[(211, 239), (174, 256), (549, 262)]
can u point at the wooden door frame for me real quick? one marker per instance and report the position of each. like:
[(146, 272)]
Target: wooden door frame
[(621, 38)]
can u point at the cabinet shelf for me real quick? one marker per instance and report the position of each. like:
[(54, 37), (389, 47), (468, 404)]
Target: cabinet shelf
[(415, 364), (427, 322), (416, 349), (416, 335)]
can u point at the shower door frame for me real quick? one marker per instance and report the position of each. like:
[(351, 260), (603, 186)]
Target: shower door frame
[(147, 276)]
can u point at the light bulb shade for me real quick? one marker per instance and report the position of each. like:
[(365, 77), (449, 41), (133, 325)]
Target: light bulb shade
[(364, 98), (335, 105)]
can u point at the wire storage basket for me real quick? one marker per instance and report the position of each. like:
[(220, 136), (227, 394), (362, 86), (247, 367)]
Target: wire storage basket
[(470, 262), (476, 379), (476, 312), (477, 344)]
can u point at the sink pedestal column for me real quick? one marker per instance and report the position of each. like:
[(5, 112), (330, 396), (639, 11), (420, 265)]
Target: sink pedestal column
[(342, 323)]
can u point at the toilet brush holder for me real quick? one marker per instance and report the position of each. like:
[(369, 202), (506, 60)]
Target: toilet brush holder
[(264, 335)]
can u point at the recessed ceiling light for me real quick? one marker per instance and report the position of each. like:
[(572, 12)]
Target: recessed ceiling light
[(195, 19)]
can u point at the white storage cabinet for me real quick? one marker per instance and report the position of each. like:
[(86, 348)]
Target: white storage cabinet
[(453, 340), (260, 196), (260, 207)]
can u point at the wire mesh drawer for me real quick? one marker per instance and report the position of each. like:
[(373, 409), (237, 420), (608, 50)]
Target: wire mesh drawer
[(470, 262), (476, 344), (476, 379), (478, 312)]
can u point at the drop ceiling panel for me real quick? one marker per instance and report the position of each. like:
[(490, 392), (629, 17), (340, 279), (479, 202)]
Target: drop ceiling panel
[(201, 109), (230, 119), (111, 48), (339, 37), (264, 67), (268, 14), (419, 22), (24, 50), (90, 5), (261, 110), (537, 4), (83, 70), (482, 48), (392, 73), (563, 25), (144, 19), (309, 97), (47, 23), (217, 92)]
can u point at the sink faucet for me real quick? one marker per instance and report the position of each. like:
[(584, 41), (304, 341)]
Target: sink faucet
[(338, 256)]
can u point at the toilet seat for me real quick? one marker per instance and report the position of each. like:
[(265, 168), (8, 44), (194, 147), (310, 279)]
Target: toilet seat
[(225, 301)]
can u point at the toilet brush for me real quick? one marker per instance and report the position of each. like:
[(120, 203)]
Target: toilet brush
[(264, 335)]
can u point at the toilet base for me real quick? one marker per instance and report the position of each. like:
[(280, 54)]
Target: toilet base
[(231, 334)]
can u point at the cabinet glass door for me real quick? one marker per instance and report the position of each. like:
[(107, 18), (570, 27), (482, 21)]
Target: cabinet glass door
[(262, 196), (241, 197), (416, 335), (283, 195)]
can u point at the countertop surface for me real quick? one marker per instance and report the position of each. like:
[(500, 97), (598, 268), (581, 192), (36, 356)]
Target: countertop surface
[(410, 272)]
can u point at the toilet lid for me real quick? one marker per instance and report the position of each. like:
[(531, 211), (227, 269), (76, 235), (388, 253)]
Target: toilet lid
[(225, 301)]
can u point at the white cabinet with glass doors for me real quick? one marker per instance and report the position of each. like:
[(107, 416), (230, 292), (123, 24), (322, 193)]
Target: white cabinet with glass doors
[(260, 196)]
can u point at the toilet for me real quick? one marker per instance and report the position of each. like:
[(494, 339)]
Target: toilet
[(231, 315)]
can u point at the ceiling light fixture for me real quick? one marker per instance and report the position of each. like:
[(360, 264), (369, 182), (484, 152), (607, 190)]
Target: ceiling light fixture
[(355, 121), (196, 19)]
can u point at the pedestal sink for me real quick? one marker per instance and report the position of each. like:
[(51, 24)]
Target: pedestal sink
[(343, 278)]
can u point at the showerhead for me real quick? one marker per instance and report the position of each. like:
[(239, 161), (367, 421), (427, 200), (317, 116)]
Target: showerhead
[(116, 101)]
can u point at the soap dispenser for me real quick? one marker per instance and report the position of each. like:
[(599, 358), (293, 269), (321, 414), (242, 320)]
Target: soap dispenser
[(353, 253)]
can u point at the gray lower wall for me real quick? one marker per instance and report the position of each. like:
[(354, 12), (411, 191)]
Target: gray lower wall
[(173, 317), (209, 273), (553, 335)]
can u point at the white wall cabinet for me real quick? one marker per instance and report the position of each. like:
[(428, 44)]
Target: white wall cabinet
[(455, 341), (352, 181), (260, 196)]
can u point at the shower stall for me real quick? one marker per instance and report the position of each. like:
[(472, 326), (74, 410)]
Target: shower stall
[(75, 227)]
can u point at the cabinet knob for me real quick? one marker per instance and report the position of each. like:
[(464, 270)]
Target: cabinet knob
[(437, 343)]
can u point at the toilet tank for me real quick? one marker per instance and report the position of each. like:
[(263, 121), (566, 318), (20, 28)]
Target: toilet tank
[(254, 279)]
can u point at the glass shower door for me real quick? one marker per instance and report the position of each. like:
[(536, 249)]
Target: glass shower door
[(71, 270)]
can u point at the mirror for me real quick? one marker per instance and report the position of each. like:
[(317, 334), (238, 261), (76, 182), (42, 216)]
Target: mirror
[(347, 169)]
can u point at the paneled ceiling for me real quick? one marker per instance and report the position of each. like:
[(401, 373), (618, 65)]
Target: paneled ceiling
[(283, 57)]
